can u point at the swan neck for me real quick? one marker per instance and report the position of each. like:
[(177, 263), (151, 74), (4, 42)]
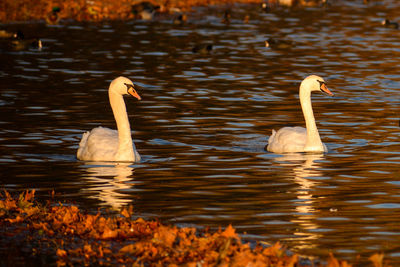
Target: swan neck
[(313, 142), (121, 117)]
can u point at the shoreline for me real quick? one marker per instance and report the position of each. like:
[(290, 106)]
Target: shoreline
[(52, 12), (56, 233)]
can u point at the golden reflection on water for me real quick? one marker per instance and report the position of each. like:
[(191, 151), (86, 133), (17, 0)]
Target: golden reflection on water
[(304, 166), (105, 181)]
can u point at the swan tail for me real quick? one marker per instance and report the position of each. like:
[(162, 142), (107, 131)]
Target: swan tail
[(84, 139), (82, 145), (271, 138)]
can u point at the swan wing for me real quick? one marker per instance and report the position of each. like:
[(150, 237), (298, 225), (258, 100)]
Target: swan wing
[(287, 140), (100, 144)]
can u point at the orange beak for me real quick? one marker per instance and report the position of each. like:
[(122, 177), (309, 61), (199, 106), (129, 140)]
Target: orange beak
[(325, 89), (133, 93)]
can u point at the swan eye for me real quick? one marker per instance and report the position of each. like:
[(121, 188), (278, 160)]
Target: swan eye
[(323, 88), (130, 89), (129, 86), (321, 83)]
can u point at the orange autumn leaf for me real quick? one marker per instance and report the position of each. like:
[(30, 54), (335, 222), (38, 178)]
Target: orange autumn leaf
[(166, 235), (293, 261), (29, 195), (87, 248), (101, 253), (67, 218), (70, 215), (345, 264), (40, 225), (32, 211), (107, 251), (17, 219), (377, 259), (230, 232), (109, 234), (61, 253), (153, 251), (24, 200), (274, 251), (125, 213), (131, 248), (90, 220), (8, 203), (224, 250), (333, 262)]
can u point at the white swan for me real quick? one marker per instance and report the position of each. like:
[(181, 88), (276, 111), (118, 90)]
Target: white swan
[(103, 144), (298, 139)]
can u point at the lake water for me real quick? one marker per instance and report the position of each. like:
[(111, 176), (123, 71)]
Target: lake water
[(204, 119)]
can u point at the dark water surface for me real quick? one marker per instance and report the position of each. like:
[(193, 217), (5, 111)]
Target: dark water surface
[(203, 122)]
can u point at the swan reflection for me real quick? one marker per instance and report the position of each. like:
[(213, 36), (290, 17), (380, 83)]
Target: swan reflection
[(304, 167), (107, 181)]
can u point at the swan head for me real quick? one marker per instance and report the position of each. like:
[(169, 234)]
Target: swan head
[(315, 83), (124, 86)]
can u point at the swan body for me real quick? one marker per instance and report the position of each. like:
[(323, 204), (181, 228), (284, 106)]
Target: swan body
[(103, 144), (299, 139)]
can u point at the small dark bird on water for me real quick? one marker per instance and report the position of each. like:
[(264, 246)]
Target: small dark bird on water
[(144, 10), (180, 19), (202, 48), (52, 17), (20, 43), (265, 7), (227, 17), (278, 44), (390, 24)]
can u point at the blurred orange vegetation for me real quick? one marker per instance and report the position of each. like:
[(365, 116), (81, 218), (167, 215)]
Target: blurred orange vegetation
[(92, 10), (78, 238)]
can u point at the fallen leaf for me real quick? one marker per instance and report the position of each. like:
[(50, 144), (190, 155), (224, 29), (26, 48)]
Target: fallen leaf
[(88, 249), (125, 213), (29, 196), (230, 232), (166, 235), (109, 234), (377, 259), (131, 248), (61, 253), (17, 219)]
